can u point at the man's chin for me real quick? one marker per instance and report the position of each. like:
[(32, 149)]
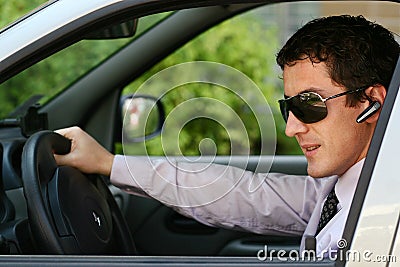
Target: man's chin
[(316, 176), (317, 171)]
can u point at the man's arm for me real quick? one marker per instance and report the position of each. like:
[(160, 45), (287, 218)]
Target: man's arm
[(223, 196), (212, 194)]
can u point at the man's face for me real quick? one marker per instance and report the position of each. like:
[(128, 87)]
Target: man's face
[(335, 143)]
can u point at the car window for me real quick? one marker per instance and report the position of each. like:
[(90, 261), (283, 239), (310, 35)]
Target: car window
[(12, 10), (49, 77), (248, 43)]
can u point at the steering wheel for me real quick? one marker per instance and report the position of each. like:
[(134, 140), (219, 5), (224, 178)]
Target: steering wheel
[(69, 212)]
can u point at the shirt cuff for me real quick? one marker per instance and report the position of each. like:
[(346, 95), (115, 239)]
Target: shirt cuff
[(122, 178)]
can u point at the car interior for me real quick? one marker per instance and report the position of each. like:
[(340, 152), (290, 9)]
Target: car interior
[(40, 201)]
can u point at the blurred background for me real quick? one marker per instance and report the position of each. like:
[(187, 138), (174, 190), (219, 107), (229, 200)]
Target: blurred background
[(248, 43)]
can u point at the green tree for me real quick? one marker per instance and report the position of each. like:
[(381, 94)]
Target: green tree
[(242, 43), (55, 73)]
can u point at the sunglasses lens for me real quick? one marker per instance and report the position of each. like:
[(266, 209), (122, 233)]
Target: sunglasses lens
[(307, 107), (284, 106)]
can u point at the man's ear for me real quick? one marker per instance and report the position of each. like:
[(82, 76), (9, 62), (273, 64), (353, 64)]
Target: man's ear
[(376, 93)]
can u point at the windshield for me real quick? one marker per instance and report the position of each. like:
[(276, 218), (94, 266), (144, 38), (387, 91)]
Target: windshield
[(49, 77), (12, 11)]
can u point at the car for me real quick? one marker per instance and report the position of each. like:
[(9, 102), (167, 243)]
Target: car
[(176, 79)]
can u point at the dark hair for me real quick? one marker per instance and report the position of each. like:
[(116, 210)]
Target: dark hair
[(358, 53)]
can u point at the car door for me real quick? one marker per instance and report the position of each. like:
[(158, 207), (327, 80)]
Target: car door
[(372, 230)]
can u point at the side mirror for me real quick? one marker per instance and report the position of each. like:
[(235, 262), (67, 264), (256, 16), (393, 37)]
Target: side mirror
[(142, 117)]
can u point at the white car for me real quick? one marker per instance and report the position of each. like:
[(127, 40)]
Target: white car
[(102, 64)]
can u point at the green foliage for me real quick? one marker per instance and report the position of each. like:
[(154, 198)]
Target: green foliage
[(242, 43), (54, 74), (12, 10)]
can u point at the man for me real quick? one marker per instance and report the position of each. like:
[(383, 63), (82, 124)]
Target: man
[(336, 71)]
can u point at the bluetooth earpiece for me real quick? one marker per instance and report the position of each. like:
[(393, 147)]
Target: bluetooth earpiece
[(368, 112)]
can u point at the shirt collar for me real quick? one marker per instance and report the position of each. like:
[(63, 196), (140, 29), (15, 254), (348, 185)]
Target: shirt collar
[(347, 183)]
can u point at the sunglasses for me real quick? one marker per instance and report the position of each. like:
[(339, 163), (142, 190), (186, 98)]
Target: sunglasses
[(309, 107)]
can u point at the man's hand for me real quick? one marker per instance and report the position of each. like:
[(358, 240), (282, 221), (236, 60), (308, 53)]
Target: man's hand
[(86, 153)]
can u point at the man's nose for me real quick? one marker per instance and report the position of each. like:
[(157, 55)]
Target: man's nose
[(294, 126)]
